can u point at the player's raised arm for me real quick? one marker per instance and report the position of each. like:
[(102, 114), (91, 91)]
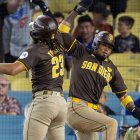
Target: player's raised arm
[(81, 7), (11, 68), (44, 8)]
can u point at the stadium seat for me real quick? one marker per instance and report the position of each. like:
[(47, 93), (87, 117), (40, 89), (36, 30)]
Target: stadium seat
[(24, 98), (133, 6), (134, 95), (119, 119), (136, 27), (70, 137), (21, 84), (62, 5), (66, 85), (68, 130), (36, 14), (129, 67), (114, 103), (130, 120), (11, 127)]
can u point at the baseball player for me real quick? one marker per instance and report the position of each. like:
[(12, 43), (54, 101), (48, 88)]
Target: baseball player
[(91, 73), (47, 114)]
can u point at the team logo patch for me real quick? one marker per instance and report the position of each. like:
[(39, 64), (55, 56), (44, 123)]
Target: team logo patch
[(24, 55), (110, 37)]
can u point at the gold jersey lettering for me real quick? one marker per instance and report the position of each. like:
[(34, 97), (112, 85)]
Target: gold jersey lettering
[(109, 77), (89, 65), (100, 70), (94, 67), (84, 64)]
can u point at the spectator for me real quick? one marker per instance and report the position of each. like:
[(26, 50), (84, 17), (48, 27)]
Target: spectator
[(86, 31), (116, 6), (104, 108), (8, 105), (100, 15), (6, 8), (133, 133), (126, 41), (16, 36), (68, 59)]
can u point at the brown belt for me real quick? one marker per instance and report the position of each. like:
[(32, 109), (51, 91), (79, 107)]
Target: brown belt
[(91, 105)]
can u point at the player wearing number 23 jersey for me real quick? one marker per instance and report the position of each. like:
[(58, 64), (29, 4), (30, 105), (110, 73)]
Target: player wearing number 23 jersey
[(47, 113)]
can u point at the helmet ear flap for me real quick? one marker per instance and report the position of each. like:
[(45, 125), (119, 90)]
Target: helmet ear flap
[(34, 34)]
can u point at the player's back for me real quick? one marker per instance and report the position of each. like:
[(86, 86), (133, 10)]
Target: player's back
[(47, 67)]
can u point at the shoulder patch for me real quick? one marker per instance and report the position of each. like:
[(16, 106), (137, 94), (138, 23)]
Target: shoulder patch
[(24, 55)]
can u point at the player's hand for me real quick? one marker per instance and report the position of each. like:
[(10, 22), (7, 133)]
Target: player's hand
[(83, 6)]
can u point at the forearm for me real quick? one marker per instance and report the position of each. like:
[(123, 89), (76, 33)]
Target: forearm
[(6, 68), (70, 18), (45, 10), (66, 23)]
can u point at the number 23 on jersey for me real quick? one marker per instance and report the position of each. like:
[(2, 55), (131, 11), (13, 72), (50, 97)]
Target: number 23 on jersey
[(58, 66)]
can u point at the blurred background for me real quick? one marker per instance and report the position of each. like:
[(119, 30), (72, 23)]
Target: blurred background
[(119, 17)]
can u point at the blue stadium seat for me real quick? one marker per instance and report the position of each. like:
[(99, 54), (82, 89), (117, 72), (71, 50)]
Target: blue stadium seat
[(130, 120), (134, 95), (114, 103), (70, 137), (23, 97), (66, 95), (11, 127), (119, 119), (68, 130), (11, 137)]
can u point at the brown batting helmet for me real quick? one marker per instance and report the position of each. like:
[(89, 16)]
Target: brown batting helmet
[(43, 28), (104, 37)]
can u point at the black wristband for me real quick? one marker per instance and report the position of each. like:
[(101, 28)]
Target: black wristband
[(136, 113)]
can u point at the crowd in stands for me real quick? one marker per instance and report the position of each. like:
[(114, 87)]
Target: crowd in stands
[(8, 105), (15, 17)]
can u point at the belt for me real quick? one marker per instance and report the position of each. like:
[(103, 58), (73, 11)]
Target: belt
[(48, 92), (91, 105)]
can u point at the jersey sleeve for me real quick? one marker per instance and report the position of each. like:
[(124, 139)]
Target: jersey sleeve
[(117, 83), (73, 46), (29, 58)]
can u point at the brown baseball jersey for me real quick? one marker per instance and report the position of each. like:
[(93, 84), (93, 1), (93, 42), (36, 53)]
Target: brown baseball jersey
[(47, 67), (90, 75)]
